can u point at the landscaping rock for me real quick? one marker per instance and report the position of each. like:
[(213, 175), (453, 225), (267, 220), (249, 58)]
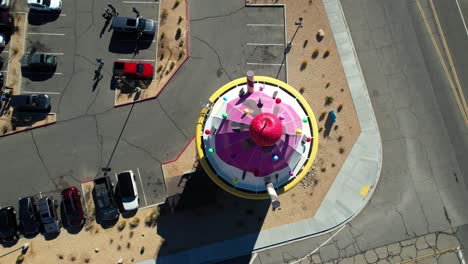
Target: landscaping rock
[(446, 242), (382, 252), (408, 252), (421, 243), (448, 258), (360, 259), (431, 239), (395, 259), (347, 261), (408, 242)]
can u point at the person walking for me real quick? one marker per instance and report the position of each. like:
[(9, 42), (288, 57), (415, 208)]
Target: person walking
[(114, 11)]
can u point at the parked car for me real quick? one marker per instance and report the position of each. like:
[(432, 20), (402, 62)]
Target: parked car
[(72, 207), (133, 25), (128, 190), (106, 207), (6, 22), (4, 4), (8, 225), (45, 5), (2, 41), (38, 61), (29, 218), (31, 102), (135, 70), (49, 217)]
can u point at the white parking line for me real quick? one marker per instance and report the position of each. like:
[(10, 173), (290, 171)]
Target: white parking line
[(139, 2), (48, 34), (134, 40), (49, 53), (263, 44), (32, 92), (141, 183), (461, 14), (265, 25), (264, 64), (5, 51), (136, 60), (4, 71)]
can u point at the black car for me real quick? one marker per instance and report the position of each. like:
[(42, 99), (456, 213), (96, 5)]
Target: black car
[(30, 102), (29, 216), (38, 61), (106, 207), (8, 225), (6, 22)]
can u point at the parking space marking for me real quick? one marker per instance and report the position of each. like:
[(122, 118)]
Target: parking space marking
[(462, 18), (265, 25), (32, 92), (265, 64), (140, 40), (141, 183), (5, 51), (49, 53), (138, 2), (263, 44), (135, 60), (48, 34)]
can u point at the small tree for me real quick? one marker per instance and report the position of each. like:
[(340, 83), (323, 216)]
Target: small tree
[(329, 100), (180, 20), (164, 15), (178, 34)]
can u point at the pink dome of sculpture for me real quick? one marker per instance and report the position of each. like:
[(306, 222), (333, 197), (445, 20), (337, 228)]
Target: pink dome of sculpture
[(265, 129)]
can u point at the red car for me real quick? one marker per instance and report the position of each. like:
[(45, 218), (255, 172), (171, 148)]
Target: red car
[(133, 70), (72, 207)]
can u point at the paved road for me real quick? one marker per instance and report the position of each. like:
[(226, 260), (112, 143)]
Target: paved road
[(422, 187)]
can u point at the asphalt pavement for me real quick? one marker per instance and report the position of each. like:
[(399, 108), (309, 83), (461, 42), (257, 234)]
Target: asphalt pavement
[(422, 186)]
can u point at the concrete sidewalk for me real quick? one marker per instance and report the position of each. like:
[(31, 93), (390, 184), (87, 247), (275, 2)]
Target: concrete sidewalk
[(351, 189)]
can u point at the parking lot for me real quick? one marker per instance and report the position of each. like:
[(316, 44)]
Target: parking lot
[(77, 36), (90, 133)]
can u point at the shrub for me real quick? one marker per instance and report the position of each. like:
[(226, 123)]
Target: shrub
[(303, 65), (340, 107), (181, 43), (129, 245), (161, 36), (134, 222), (333, 165), (72, 258), (160, 68), (130, 235), (87, 260), (322, 116), (161, 57), (60, 256), (305, 43), (341, 151), (326, 54), (339, 138), (164, 15), (301, 91), (176, 4), (20, 259), (121, 225), (178, 33), (336, 127), (315, 54), (181, 54), (342, 90), (320, 129), (119, 248), (172, 65), (329, 100), (323, 169), (327, 85), (180, 20), (151, 218)]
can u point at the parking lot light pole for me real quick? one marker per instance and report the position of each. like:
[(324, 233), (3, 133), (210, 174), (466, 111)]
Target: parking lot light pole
[(299, 25), (289, 46)]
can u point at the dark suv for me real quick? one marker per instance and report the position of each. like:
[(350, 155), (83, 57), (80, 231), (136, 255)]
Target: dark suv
[(106, 207), (6, 22), (8, 225), (29, 216), (31, 102)]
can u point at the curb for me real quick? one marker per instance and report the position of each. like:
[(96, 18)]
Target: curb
[(187, 50), (180, 154), (30, 128)]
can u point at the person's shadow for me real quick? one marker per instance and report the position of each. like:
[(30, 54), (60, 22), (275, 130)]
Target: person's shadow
[(97, 77), (103, 30)]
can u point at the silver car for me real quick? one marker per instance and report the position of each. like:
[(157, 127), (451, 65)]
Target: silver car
[(49, 218)]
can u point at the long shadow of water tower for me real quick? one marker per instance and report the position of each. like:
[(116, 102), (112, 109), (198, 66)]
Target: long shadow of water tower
[(205, 214)]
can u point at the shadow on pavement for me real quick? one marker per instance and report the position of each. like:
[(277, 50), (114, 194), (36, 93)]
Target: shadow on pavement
[(41, 18), (204, 214), (27, 118), (38, 76), (128, 43)]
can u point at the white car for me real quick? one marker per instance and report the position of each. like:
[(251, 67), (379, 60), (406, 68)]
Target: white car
[(4, 4), (45, 5), (2, 41), (128, 190)]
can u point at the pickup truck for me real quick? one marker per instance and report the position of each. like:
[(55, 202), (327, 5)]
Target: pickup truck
[(133, 70), (106, 207)]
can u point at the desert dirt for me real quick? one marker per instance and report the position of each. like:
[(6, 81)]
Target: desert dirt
[(13, 79), (172, 51)]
